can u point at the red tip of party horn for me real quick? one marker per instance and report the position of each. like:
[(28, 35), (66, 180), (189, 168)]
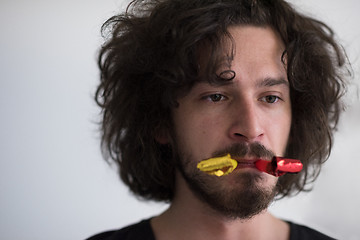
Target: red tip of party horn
[(278, 166)]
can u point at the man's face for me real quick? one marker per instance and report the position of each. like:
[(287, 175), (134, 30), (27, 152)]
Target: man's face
[(252, 110)]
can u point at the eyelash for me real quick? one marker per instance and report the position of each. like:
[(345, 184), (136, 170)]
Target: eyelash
[(264, 99), (220, 97), (217, 95)]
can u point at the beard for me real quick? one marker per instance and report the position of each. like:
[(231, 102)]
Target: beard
[(239, 195)]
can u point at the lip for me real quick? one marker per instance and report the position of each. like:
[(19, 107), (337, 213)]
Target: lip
[(246, 163)]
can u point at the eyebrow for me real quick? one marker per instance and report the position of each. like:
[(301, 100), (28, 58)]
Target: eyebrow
[(269, 82), (266, 82)]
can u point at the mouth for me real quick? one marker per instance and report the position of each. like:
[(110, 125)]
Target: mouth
[(224, 165), (246, 163)]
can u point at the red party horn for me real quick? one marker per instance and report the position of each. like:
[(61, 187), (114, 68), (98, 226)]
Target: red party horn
[(278, 166)]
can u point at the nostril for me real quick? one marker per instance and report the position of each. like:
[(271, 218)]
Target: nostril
[(242, 136), (239, 135)]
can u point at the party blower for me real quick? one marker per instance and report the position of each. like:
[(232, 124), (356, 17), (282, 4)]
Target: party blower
[(224, 165)]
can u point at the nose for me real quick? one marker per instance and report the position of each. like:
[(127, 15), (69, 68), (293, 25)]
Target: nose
[(247, 123)]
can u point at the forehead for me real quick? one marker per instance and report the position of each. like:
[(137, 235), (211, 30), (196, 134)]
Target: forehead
[(248, 51), (256, 44), (258, 52), (264, 38)]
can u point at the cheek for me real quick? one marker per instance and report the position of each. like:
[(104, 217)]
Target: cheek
[(197, 135), (280, 131), (187, 132)]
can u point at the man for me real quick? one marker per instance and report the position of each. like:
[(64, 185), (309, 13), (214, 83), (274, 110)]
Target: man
[(184, 81)]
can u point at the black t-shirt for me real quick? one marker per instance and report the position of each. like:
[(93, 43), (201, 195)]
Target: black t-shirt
[(143, 231)]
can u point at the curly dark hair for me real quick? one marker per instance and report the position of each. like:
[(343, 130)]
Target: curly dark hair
[(150, 58)]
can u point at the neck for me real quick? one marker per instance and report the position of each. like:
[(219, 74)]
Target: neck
[(190, 218)]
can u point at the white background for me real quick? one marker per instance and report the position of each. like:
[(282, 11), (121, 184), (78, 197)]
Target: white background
[(53, 181)]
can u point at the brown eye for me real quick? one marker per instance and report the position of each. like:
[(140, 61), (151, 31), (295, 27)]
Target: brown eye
[(271, 99), (216, 97)]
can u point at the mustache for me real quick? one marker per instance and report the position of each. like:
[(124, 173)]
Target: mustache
[(240, 150)]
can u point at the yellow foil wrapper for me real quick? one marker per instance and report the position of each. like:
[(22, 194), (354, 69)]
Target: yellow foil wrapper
[(218, 166)]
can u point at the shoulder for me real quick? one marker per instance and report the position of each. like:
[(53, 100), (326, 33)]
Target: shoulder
[(300, 232), (138, 231)]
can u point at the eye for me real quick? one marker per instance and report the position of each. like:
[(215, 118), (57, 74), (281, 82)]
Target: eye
[(217, 97), (270, 99)]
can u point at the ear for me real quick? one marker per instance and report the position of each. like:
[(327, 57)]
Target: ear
[(162, 136)]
